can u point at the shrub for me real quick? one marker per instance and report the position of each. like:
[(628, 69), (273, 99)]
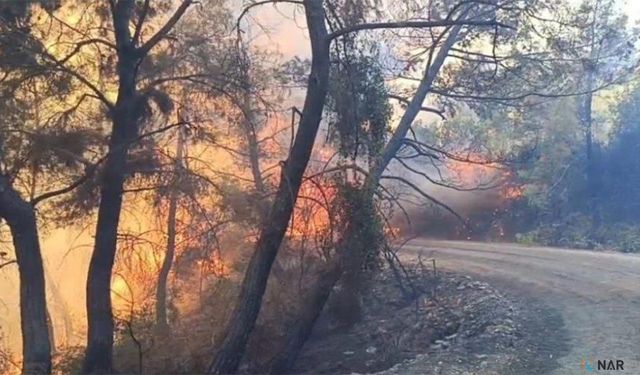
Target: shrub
[(621, 237)]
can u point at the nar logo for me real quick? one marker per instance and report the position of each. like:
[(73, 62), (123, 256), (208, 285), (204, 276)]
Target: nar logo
[(602, 364)]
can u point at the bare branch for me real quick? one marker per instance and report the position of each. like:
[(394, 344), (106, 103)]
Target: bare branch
[(89, 172), (439, 112), (258, 3), (479, 187), (2, 265), (425, 195), (414, 25), (164, 30), (87, 42), (143, 16)]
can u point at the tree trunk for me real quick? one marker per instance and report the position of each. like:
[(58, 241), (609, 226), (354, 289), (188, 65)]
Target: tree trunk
[(21, 218), (301, 330), (254, 284), (587, 123), (285, 359), (586, 118), (412, 110), (252, 144), (167, 263), (99, 353)]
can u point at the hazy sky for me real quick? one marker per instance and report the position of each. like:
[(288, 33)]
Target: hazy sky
[(288, 35)]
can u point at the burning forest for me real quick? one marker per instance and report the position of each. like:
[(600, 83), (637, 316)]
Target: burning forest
[(221, 187)]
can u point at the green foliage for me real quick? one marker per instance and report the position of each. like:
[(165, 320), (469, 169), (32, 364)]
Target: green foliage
[(621, 237), (578, 231), (362, 233), (572, 231), (358, 107)]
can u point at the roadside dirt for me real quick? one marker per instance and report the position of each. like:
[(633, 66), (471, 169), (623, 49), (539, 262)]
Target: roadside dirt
[(589, 302), (457, 325)]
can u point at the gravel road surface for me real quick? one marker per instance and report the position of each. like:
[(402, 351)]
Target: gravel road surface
[(597, 294)]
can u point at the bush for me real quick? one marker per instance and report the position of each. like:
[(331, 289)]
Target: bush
[(574, 231), (577, 230), (621, 237)]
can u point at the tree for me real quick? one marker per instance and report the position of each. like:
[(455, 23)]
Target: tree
[(459, 42), (21, 218), (603, 49), (87, 59), (161, 290), (254, 283), (125, 116), (33, 150)]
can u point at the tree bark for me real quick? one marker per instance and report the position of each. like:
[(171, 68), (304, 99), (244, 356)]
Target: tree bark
[(586, 118), (587, 123), (99, 352), (21, 218), (252, 145), (412, 110), (254, 284), (167, 263), (301, 329)]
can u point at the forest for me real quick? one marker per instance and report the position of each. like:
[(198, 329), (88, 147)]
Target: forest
[(199, 186)]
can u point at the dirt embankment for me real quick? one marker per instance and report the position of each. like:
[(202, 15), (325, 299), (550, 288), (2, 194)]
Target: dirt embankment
[(457, 325)]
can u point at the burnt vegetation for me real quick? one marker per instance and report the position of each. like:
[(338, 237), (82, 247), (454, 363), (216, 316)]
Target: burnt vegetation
[(231, 193)]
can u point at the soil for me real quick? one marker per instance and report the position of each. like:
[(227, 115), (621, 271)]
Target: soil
[(456, 325)]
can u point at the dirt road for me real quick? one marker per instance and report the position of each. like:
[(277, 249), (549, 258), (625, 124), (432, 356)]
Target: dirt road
[(597, 294)]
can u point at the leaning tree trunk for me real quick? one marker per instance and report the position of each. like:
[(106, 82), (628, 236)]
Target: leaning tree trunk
[(301, 329), (163, 277), (254, 284), (21, 218), (285, 359)]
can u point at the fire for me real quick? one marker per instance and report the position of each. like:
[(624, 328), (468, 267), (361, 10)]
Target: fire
[(311, 218), (481, 175), (512, 192)]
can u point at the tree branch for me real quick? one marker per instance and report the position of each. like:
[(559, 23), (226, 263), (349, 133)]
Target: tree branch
[(83, 43), (413, 25), (425, 195), (2, 265), (143, 16), (258, 3), (89, 172), (164, 30), (439, 112)]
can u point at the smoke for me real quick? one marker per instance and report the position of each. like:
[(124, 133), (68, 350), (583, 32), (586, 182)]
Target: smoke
[(474, 192)]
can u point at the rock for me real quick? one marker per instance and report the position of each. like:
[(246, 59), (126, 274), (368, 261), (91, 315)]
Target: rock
[(443, 343), (371, 350)]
